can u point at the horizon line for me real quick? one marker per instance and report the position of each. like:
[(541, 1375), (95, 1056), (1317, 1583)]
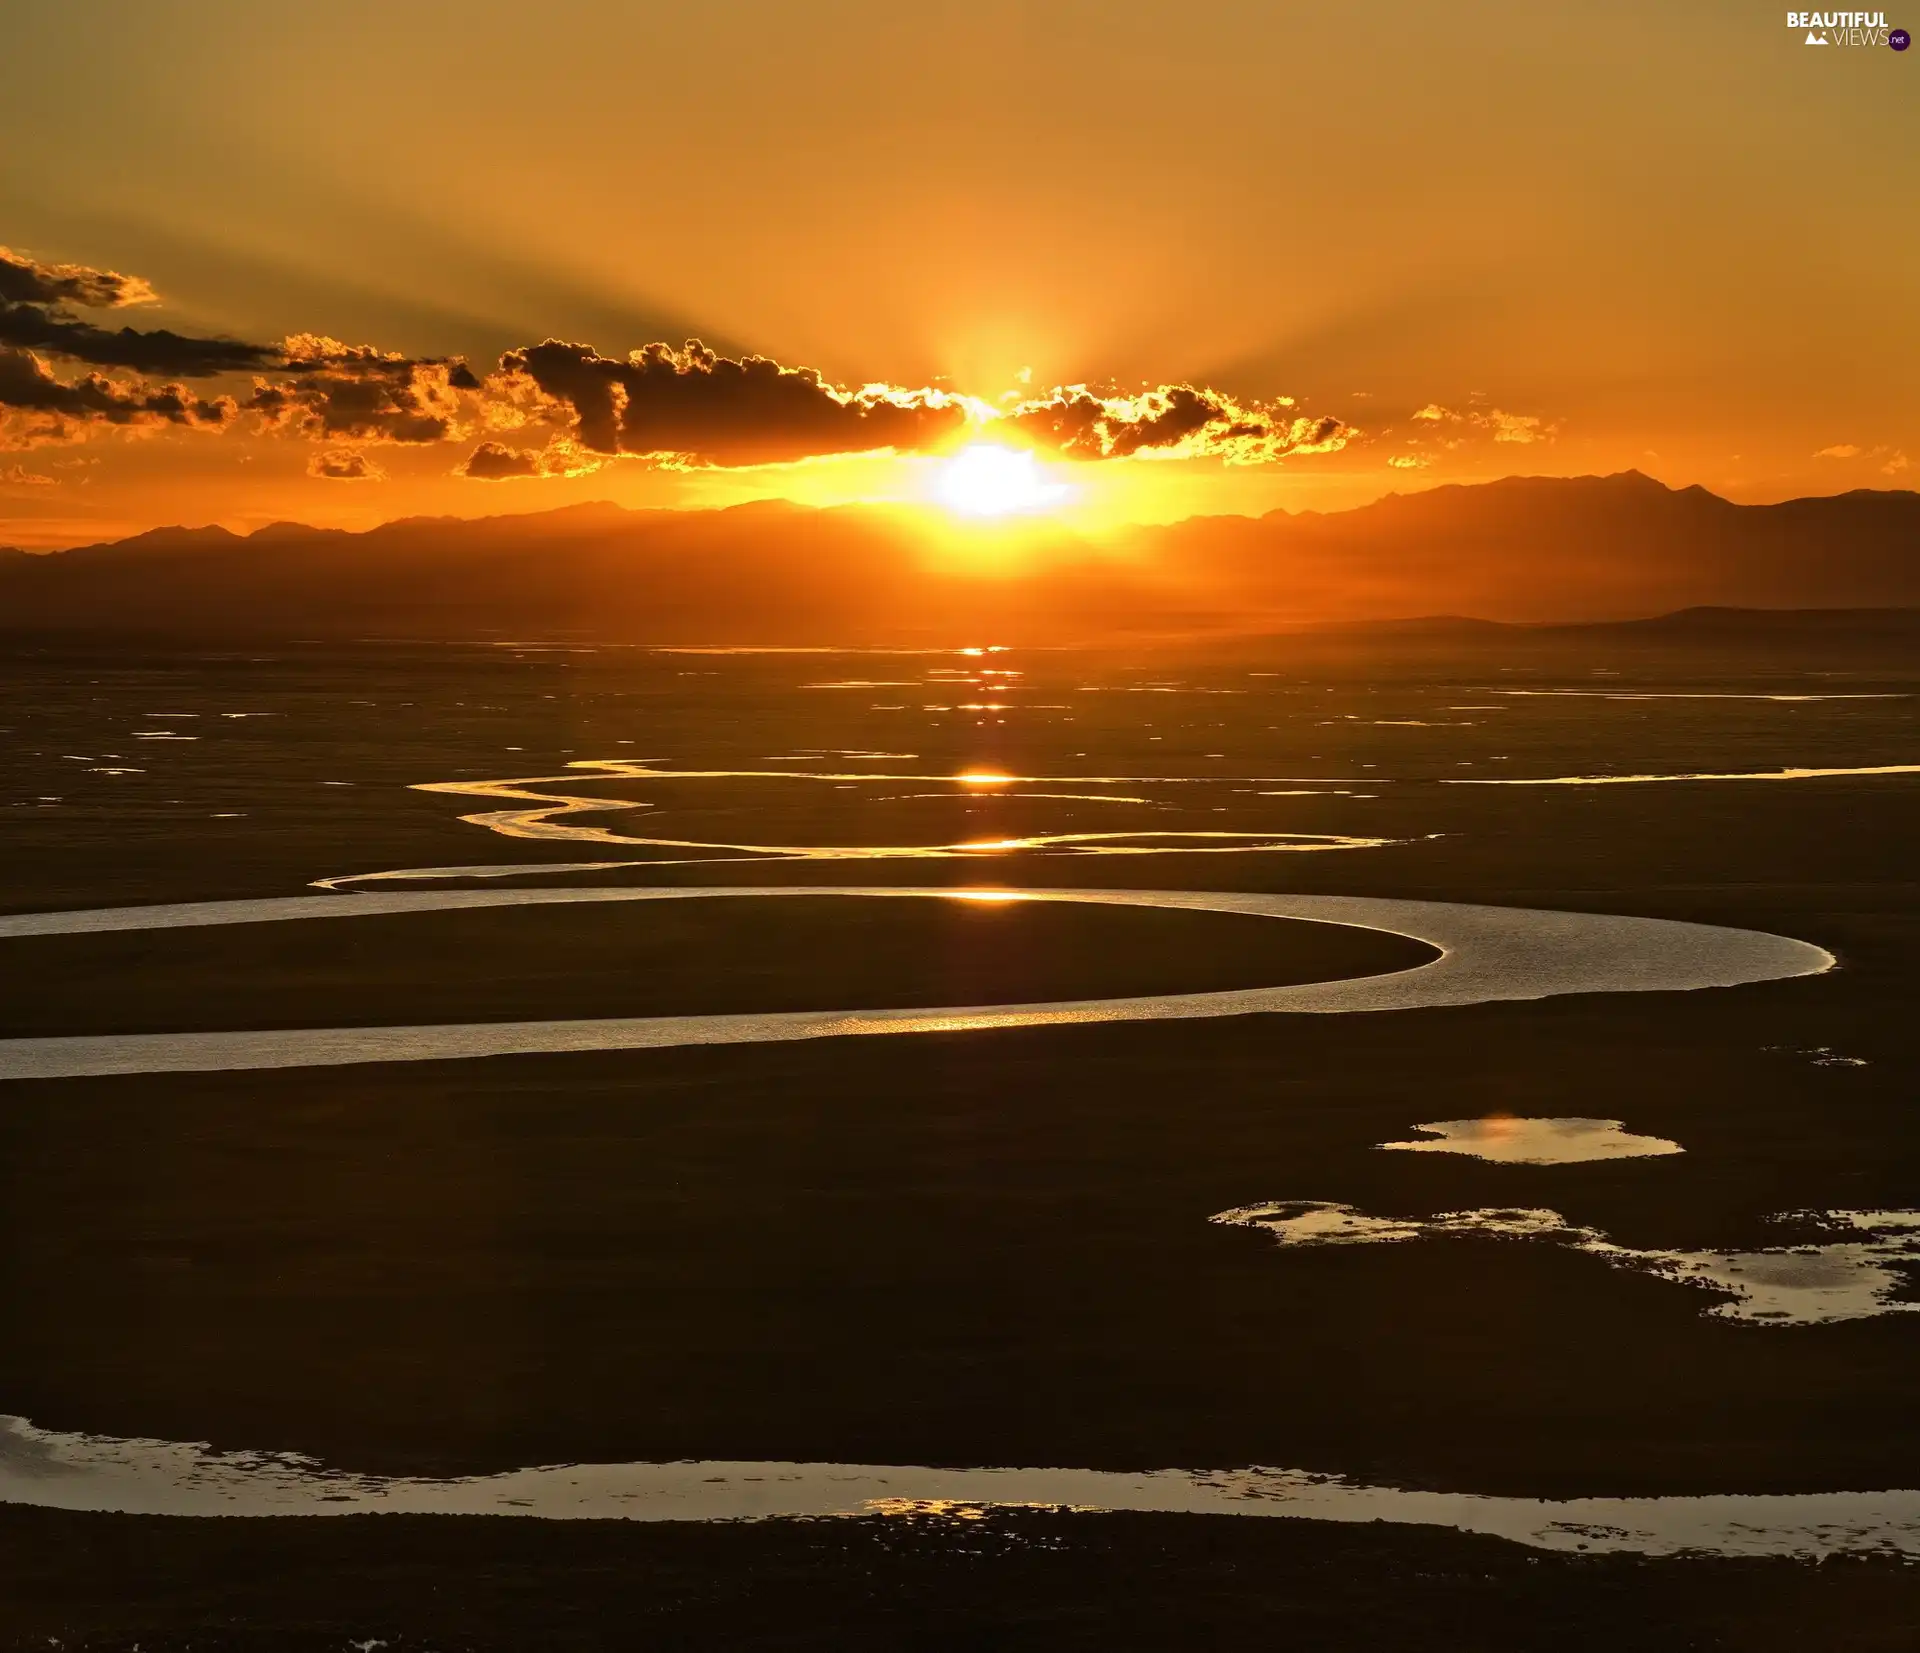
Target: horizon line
[(915, 511)]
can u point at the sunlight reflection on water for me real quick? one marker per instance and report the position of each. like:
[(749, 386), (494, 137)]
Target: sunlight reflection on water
[(52, 1469), (1510, 1141), (1485, 954), (547, 819), (1854, 1278), (1743, 775)]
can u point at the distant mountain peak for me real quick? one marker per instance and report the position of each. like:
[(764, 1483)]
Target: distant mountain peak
[(1526, 550), (209, 534)]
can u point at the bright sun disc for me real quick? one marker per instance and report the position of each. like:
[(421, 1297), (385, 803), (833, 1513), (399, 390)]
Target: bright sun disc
[(986, 480)]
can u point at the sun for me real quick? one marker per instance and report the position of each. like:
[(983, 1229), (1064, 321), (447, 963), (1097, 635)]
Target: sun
[(987, 480)]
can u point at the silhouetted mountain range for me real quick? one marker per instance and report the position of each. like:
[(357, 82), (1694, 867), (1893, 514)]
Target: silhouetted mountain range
[(1524, 550)]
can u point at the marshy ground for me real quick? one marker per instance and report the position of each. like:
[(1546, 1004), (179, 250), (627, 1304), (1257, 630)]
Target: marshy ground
[(961, 1249)]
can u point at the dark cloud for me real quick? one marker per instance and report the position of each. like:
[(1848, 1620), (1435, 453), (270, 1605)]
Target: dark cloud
[(359, 393), (690, 406), (344, 465), (28, 384), (1081, 425), (1173, 422), (496, 462), (694, 404), (53, 331), (25, 280), (36, 313)]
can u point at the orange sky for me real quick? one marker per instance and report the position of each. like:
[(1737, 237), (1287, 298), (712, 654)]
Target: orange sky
[(1580, 237)]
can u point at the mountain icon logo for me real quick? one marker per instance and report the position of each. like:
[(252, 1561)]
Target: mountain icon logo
[(1816, 38)]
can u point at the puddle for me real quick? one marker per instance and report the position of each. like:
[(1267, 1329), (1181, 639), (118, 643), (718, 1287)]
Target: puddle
[(1855, 1277), (1509, 1141)]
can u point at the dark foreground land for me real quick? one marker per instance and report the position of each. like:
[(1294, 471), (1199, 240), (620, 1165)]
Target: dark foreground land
[(955, 1249), (1020, 1580)]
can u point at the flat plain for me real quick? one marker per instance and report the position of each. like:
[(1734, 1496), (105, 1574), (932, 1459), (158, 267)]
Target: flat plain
[(951, 1249)]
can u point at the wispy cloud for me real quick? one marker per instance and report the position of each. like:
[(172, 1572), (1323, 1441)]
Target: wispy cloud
[(1892, 460), (1495, 422)]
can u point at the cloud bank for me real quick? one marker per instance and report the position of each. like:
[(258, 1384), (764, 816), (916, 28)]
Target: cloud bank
[(686, 407)]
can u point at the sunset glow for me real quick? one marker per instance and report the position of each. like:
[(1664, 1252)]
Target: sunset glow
[(987, 480), (911, 310), (633, 512)]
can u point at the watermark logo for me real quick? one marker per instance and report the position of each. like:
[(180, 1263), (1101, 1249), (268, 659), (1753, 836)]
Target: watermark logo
[(1847, 28)]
